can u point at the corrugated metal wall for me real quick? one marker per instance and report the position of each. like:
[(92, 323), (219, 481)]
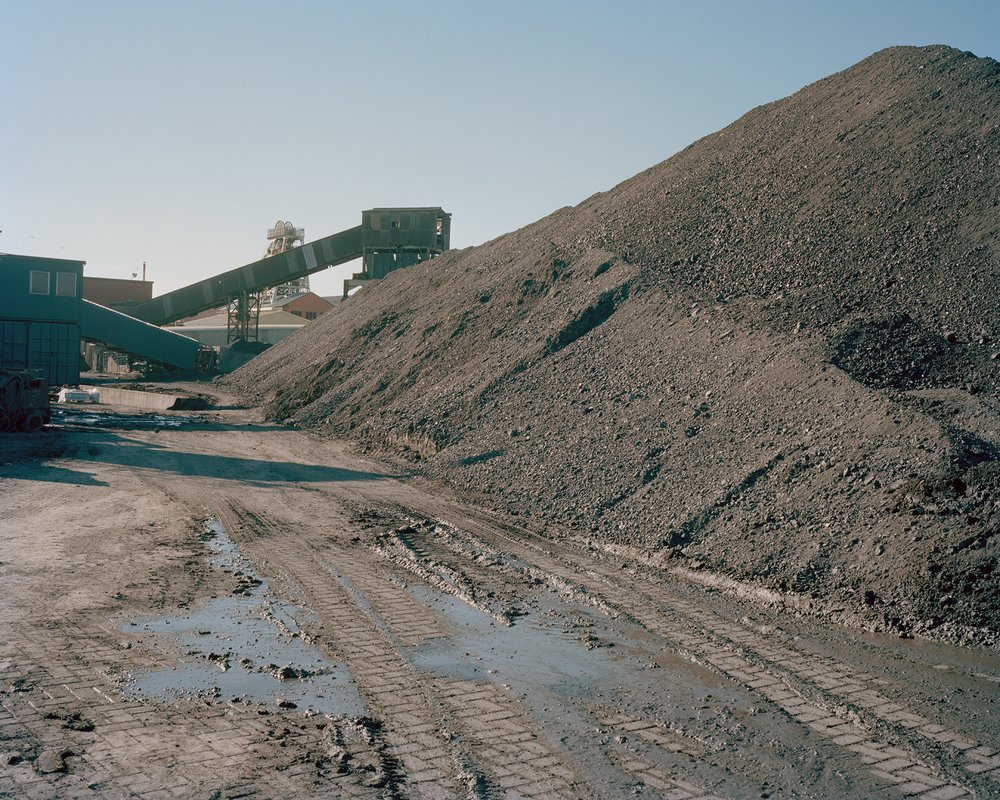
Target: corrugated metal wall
[(50, 349), (109, 327)]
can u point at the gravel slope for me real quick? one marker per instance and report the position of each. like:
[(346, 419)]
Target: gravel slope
[(770, 358)]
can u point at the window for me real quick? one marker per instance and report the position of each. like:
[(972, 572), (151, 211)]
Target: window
[(66, 284), (39, 282)]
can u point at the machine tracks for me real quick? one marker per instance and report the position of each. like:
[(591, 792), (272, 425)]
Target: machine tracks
[(903, 751), (490, 661), (359, 589), (451, 737)]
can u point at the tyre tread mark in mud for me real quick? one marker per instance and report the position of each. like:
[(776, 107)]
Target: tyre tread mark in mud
[(723, 646), (415, 713)]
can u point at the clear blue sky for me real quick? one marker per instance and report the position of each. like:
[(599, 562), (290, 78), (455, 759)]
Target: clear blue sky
[(177, 132)]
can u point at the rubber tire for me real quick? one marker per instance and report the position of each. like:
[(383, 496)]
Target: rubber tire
[(33, 422)]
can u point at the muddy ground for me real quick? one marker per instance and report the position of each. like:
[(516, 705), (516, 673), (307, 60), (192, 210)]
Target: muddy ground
[(200, 604)]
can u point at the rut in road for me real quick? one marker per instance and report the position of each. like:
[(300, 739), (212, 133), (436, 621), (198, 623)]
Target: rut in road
[(444, 733), (489, 660), (839, 702), (447, 733)]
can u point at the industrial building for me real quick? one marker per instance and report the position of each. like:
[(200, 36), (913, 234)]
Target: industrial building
[(211, 330), (399, 237), (40, 306), (307, 305), (275, 321), (111, 291), (45, 315)]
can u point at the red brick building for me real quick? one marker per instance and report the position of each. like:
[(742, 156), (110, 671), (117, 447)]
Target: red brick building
[(108, 291), (307, 306)]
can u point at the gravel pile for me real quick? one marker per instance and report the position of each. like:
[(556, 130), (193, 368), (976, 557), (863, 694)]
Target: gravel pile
[(770, 358)]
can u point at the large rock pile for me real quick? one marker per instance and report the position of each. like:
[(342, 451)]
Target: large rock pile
[(772, 357)]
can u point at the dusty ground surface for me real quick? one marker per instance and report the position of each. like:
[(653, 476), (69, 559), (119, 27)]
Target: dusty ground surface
[(203, 605), (773, 356)]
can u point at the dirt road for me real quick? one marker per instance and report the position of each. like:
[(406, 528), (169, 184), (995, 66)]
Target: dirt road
[(200, 605)]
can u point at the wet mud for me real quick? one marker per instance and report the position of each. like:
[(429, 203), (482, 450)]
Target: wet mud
[(295, 623), (247, 647)]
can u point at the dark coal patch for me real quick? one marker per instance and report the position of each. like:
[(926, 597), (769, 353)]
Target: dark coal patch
[(590, 318), (899, 353)]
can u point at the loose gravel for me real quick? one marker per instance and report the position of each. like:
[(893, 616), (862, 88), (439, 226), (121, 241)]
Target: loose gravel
[(770, 361)]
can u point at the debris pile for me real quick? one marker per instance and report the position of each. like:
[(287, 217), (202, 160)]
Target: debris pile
[(771, 358)]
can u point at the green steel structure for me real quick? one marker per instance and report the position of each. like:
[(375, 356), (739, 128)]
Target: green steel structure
[(43, 316), (40, 301), (387, 239), (118, 331)]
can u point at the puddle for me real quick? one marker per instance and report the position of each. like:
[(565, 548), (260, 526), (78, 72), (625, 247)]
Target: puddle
[(95, 419), (527, 656), (567, 665), (244, 647), (561, 660)]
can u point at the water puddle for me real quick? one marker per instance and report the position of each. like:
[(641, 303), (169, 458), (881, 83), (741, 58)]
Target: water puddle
[(563, 658), (244, 647), (567, 666), (530, 656), (113, 420)]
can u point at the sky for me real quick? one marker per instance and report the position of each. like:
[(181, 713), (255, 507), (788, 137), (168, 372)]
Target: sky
[(176, 133)]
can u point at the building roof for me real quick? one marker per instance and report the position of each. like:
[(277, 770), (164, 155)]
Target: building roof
[(266, 318), (284, 301), (408, 208), (127, 281), (77, 261)]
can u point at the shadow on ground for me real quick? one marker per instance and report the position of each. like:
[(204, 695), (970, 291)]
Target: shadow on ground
[(28, 460)]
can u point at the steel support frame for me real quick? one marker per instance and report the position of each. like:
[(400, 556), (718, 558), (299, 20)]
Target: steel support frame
[(243, 318)]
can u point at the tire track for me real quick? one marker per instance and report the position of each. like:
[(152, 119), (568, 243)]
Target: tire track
[(441, 731), (836, 703)]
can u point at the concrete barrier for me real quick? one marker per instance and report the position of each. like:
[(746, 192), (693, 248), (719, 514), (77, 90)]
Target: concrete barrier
[(149, 401)]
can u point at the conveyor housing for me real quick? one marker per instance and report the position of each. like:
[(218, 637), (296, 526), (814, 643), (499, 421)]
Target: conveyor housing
[(119, 331)]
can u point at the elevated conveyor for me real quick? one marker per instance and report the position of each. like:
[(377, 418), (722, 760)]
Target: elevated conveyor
[(219, 290), (121, 332), (387, 239)]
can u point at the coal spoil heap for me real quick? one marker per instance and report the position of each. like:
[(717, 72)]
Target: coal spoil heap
[(769, 362)]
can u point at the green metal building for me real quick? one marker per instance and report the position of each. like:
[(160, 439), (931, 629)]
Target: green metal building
[(393, 238), (43, 318), (40, 302)]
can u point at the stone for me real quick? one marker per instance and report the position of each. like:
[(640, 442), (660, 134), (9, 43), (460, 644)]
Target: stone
[(51, 761)]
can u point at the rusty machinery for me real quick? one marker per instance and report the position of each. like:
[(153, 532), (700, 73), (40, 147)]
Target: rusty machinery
[(24, 402)]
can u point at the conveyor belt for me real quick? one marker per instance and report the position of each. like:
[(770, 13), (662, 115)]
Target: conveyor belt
[(122, 332), (272, 271)]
